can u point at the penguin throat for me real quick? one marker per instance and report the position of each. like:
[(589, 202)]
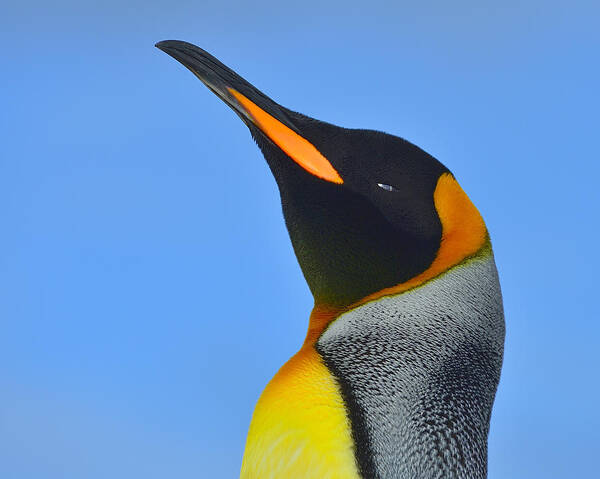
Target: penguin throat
[(418, 373)]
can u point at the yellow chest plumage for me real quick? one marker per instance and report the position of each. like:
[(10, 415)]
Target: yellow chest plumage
[(299, 428)]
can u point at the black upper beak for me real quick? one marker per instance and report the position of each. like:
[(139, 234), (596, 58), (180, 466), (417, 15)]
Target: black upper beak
[(258, 111), (220, 79)]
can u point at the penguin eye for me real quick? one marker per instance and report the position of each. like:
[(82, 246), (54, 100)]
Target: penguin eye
[(386, 187)]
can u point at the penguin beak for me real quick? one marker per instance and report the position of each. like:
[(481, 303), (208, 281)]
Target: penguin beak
[(252, 106)]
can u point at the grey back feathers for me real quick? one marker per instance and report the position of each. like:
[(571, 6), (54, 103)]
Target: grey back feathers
[(419, 373)]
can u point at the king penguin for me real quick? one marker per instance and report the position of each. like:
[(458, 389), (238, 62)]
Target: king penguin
[(398, 372)]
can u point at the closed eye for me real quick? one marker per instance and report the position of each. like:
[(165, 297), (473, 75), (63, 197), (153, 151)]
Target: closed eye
[(386, 187)]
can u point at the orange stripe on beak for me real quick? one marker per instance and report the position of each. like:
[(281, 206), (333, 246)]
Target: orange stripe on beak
[(297, 148)]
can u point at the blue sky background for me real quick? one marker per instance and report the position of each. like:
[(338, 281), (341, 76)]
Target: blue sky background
[(148, 289)]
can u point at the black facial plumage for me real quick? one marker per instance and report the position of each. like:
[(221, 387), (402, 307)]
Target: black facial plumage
[(354, 239)]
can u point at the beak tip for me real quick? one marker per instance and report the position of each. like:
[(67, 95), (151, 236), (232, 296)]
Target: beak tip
[(165, 45)]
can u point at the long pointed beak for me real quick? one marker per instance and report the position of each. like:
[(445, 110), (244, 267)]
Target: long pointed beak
[(252, 106)]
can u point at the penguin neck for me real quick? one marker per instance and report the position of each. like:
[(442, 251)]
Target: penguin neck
[(418, 372), (320, 317)]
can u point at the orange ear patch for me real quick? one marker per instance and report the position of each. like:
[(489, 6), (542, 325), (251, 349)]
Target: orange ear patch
[(463, 229), (297, 148)]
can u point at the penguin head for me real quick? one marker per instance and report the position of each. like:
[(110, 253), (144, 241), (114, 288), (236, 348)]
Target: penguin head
[(368, 213)]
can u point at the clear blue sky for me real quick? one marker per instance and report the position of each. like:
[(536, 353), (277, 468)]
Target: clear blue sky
[(148, 289)]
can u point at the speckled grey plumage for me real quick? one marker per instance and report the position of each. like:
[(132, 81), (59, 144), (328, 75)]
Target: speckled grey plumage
[(419, 372)]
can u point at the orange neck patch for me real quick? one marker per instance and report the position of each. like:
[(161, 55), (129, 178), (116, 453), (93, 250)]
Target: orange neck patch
[(297, 148), (463, 234)]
